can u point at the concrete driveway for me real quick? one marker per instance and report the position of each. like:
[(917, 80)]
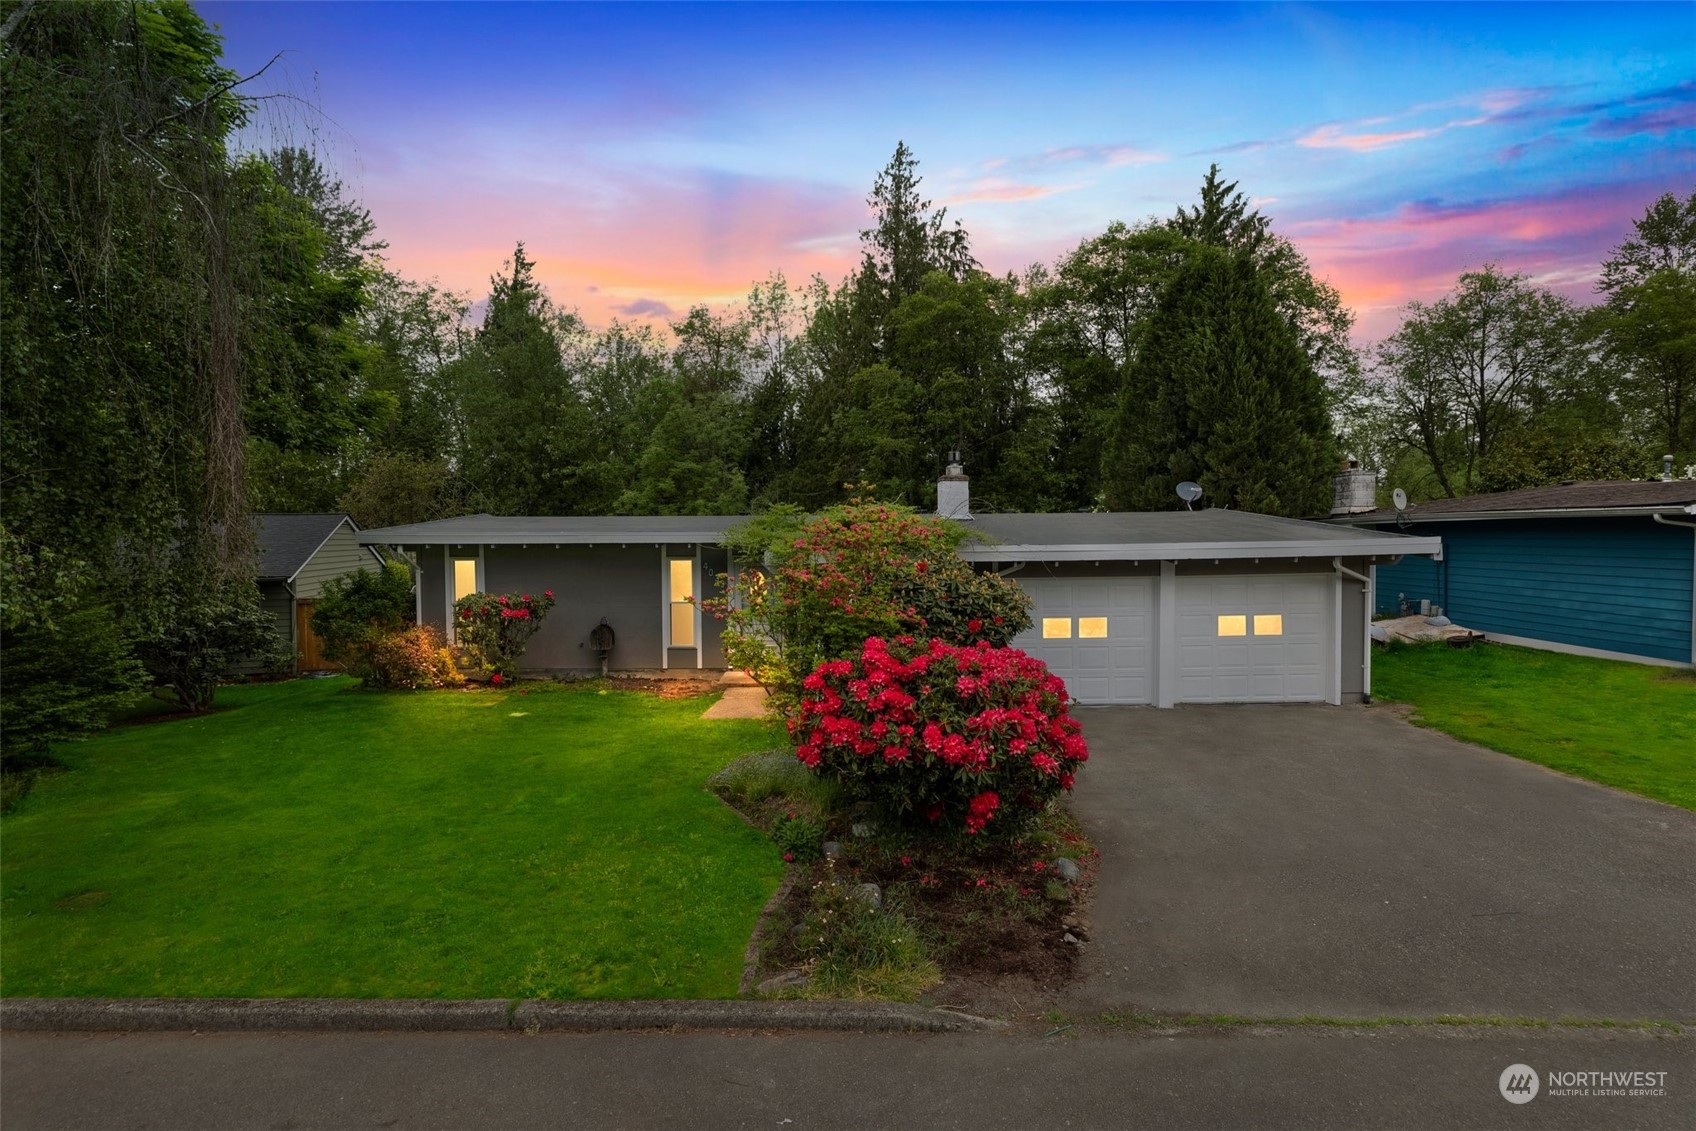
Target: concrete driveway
[(1278, 861)]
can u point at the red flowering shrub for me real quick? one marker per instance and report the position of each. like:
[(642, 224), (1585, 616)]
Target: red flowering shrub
[(827, 583), (495, 627), (972, 737)]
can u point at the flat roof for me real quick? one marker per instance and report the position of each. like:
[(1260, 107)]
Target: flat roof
[(500, 530), (1104, 536)]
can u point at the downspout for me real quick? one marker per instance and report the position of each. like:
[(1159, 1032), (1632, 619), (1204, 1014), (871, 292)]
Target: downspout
[(1365, 629), (1010, 570)]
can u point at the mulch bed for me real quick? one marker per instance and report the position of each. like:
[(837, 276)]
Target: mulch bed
[(997, 921)]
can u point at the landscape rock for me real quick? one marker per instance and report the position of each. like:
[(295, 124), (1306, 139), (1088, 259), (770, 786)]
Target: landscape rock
[(871, 894), (1067, 869), (863, 829), (788, 980), (1069, 937), (833, 850)]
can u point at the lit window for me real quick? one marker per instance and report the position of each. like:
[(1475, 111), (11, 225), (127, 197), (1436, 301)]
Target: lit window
[(682, 579), (464, 577), (1268, 624), (682, 612), (1092, 628), (1233, 626), (1056, 628), (682, 626)]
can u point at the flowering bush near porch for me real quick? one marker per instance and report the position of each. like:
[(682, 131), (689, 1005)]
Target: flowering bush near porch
[(952, 737), (887, 655), (495, 628), (817, 588)]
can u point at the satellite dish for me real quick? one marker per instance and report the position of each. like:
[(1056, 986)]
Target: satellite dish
[(1399, 497), (1189, 492)]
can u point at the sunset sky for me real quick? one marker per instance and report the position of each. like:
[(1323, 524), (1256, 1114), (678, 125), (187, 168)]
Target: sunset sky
[(653, 156)]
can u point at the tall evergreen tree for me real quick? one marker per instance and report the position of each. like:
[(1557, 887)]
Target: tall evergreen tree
[(1221, 393), (1225, 218), (1089, 316), (523, 419)]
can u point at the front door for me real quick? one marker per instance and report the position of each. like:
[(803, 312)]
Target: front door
[(310, 652)]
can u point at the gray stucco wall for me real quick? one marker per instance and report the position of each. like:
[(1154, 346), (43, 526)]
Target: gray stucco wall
[(621, 584), (340, 554), (430, 581), (714, 561), (1354, 632)]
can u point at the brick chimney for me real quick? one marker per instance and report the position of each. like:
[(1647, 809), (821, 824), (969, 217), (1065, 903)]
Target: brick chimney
[(954, 491), (1355, 489)]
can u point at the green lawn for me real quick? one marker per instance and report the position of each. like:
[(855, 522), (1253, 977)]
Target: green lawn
[(317, 840), (1631, 726)]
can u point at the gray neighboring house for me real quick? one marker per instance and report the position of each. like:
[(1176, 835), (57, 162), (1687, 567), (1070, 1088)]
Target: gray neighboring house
[(1159, 608), (298, 553)]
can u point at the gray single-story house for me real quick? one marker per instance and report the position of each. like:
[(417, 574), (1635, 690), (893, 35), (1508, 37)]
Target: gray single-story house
[(298, 553), (1144, 608), (1599, 568)]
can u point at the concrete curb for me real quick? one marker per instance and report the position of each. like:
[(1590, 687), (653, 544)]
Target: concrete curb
[(224, 1015)]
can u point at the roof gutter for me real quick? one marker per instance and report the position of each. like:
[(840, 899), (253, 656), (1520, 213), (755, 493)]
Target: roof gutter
[(1485, 516), (1366, 547)]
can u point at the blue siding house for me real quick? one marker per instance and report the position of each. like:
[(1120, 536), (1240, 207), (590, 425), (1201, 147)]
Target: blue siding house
[(1597, 568)]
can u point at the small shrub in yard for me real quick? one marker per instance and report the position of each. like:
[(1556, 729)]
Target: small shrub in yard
[(356, 615), (496, 627), (773, 775), (414, 657), (941, 736), (798, 837), (856, 950), (200, 630)]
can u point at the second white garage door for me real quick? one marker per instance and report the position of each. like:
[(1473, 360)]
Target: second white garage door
[(1095, 633), (1253, 639)]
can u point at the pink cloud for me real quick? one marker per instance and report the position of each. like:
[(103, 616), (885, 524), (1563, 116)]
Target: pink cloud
[(1333, 137), (630, 245), (999, 190), (1416, 252)]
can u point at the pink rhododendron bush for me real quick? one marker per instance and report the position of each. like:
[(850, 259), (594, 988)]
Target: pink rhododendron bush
[(815, 588), (973, 738), (495, 628)]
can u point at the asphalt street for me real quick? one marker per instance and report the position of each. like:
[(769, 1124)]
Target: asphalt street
[(1079, 1079)]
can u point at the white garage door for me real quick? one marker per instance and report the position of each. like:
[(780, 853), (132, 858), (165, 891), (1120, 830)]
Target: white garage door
[(1095, 633), (1252, 639)]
